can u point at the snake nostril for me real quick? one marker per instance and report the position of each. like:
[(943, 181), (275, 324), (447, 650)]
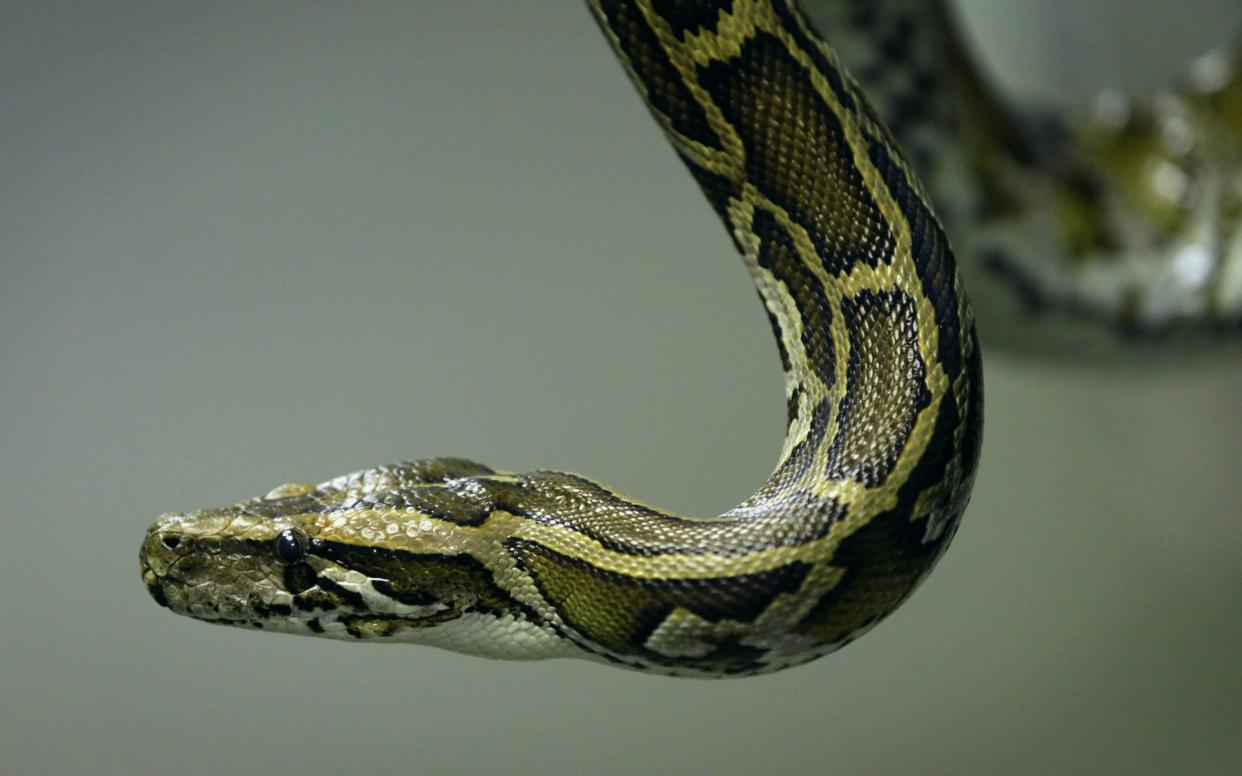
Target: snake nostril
[(171, 541)]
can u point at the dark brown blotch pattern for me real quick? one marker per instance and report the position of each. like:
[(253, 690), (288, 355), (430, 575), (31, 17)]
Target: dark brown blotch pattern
[(886, 387), (797, 154), (667, 94), (619, 613)]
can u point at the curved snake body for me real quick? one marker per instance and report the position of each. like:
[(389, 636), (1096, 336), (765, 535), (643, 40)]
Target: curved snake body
[(884, 394)]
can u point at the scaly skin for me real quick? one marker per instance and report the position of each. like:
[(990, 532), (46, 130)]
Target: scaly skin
[(883, 386)]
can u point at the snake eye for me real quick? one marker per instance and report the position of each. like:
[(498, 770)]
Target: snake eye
[(290, 546)]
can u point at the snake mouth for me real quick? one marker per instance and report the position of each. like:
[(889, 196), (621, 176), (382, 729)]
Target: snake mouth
[(157, 592), (152, 567), (152, 581)]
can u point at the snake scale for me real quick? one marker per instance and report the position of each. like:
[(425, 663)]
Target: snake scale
[(883, 387)]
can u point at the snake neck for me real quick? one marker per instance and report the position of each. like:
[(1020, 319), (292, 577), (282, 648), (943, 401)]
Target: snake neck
[(1075, 231)]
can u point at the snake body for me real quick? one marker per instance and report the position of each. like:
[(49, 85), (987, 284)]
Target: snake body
[(884, 396), (1116, 233)]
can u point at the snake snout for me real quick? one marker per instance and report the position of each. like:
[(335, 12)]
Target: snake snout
[(169, 540), (164, 544)]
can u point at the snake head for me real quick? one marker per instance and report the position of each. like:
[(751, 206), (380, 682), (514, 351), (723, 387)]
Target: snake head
[(385, 554), (233, 565)]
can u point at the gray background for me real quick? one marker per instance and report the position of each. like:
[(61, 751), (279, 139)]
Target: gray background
[(250, 243)]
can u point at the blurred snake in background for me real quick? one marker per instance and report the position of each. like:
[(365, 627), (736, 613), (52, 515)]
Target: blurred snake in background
[(1115, 234), (1125, 230)]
